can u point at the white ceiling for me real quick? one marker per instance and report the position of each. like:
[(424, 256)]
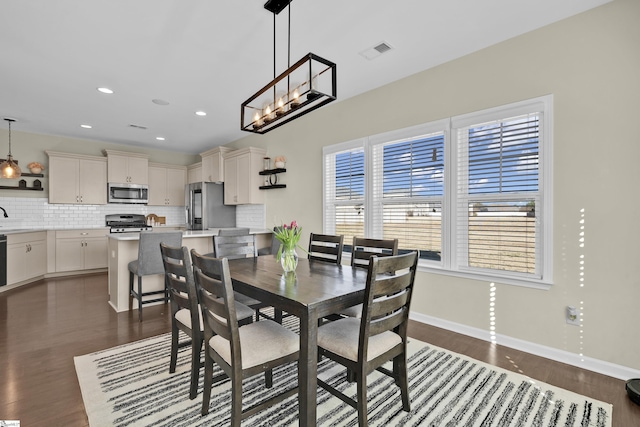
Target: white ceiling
[(211, 55)]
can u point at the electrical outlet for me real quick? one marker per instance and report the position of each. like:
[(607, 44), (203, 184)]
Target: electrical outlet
[(573, 316)]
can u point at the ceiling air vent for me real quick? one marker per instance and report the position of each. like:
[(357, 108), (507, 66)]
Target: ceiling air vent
[(138, 127), (377, 50)]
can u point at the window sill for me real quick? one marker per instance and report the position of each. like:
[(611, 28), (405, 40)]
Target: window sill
[(514, 281)]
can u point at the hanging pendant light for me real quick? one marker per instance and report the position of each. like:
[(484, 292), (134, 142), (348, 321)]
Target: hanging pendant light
[(305, 86), (9, 168)]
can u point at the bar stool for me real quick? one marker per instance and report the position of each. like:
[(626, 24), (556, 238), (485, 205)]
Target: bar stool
[(149, 263)]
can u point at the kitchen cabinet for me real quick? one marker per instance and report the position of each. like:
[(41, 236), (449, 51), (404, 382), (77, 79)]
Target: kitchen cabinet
[(194, 173), (241, 176), (127, 168), (166, 184), (213, 164), (77, 179), (81, 249), (26, 256)]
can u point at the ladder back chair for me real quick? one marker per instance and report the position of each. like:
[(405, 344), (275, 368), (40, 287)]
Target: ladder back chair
[(362, 250), (149, 262), (327, 248), (235, 246), (240, 352), (364, 345), (185, 310)]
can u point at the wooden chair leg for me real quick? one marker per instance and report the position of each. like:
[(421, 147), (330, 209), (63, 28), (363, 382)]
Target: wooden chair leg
[(236, 400), (403, 380), (208, 380), (362, 399), (196, 346), (174, 347), (268, 378)]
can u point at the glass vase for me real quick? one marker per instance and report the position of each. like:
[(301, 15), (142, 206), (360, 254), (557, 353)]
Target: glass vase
[(289, 260)]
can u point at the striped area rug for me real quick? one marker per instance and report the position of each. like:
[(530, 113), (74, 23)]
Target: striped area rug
[(130, 385)]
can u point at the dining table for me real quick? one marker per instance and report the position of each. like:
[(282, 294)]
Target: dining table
[(314, 290)]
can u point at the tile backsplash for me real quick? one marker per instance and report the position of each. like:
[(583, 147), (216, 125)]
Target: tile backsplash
[(38, 213)]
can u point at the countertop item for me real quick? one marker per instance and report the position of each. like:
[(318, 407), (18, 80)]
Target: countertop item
[(186, 234)]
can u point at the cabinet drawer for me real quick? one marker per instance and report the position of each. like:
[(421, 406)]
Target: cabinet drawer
[(26, 237), (82, 233)]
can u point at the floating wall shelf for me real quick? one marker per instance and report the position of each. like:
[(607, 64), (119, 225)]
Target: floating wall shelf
[(272, 183)]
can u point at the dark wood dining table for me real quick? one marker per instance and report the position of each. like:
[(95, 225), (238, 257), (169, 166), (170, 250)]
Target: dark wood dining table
[(315, 290)]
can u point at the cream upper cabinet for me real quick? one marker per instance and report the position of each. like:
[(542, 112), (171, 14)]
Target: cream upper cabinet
[(166, 184), (77, 179), (127, 168), (194, 173), (242, 179), (26, 256), (213, 164), (81, 249)]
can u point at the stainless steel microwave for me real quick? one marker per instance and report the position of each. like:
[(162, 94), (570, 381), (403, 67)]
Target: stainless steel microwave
[(128, 193)]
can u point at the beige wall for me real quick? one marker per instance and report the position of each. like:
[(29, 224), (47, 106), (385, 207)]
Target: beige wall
[(30, 147), (591, 64)]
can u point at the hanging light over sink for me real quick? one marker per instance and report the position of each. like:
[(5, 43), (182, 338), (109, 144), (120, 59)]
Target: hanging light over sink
[(9, 168)]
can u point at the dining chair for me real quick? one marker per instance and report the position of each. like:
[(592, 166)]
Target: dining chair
[(238, 231), (325, 247), (239, 246), (364, 345), (361, 252), (149, 262), (240, 352), (185, 310)]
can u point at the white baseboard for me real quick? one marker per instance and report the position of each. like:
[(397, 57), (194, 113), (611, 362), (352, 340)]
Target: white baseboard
[(583, 362)]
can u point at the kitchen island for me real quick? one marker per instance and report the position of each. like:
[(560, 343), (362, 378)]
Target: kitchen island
[(123, 248)]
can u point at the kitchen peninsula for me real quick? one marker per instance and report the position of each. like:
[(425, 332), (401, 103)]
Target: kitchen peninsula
[(123, 248)]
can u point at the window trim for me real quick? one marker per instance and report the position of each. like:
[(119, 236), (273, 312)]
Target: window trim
[(448, 265)]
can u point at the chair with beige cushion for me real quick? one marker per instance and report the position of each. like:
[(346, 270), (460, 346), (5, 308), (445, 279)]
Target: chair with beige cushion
[(149, 262), (364, 345), (362, 250), (185, 309), (239, 352)]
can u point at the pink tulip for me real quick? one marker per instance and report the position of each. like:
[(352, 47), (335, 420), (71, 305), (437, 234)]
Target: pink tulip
[(294, 224)]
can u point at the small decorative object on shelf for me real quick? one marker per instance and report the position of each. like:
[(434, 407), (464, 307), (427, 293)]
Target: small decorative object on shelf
[(279, 162), (35, 167), (266, 163), (289, 236)]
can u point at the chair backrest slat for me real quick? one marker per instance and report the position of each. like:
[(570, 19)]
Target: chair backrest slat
[(324, 247), (232, 247), (363, 249)]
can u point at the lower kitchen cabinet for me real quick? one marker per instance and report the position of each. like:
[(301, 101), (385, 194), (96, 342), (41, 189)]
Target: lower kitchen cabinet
[(26, 256), (81, 249)]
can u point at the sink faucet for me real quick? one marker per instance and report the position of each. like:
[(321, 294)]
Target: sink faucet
[(5, 212)]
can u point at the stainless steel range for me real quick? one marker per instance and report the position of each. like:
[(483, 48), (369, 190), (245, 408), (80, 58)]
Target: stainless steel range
[(127, 223)]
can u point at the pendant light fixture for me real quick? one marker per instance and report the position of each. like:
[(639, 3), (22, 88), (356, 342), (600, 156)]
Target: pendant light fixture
[(306, 85), (9, 168)]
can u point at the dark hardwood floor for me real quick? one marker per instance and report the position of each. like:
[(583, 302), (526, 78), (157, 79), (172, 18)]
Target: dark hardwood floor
[(45, 324)]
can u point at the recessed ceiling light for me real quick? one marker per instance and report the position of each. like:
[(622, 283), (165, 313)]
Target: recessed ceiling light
[(105, 90), (160, 138), (200, 113), (160, 101), (86, 126)]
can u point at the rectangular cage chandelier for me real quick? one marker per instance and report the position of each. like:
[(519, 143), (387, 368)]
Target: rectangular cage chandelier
[(305, 86)]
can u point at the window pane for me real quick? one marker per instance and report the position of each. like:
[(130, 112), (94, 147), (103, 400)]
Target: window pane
[(417, 226), (503, 156), (414, 168), (350, 175), (502, 235), (349, 222)]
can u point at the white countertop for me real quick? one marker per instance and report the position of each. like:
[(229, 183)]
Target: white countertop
[(185, 234)]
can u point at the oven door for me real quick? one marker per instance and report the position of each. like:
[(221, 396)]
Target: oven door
[(128, 193)]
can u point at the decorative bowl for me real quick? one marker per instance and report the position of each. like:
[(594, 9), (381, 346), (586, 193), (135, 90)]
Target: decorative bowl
[(35, 170), (279, 165)]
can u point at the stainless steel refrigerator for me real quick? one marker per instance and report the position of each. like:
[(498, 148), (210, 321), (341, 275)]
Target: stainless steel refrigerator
[(205, 208)]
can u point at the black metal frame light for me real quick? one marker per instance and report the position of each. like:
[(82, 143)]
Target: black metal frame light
[(305, 86)]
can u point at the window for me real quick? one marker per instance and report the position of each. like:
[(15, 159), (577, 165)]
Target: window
[(471, 193)]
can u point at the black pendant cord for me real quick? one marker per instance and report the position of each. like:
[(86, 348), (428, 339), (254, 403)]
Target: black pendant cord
[(274, 60), (289, 52)]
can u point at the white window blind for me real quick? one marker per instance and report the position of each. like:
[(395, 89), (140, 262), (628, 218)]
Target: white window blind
[(408, 189), (498, 192)]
